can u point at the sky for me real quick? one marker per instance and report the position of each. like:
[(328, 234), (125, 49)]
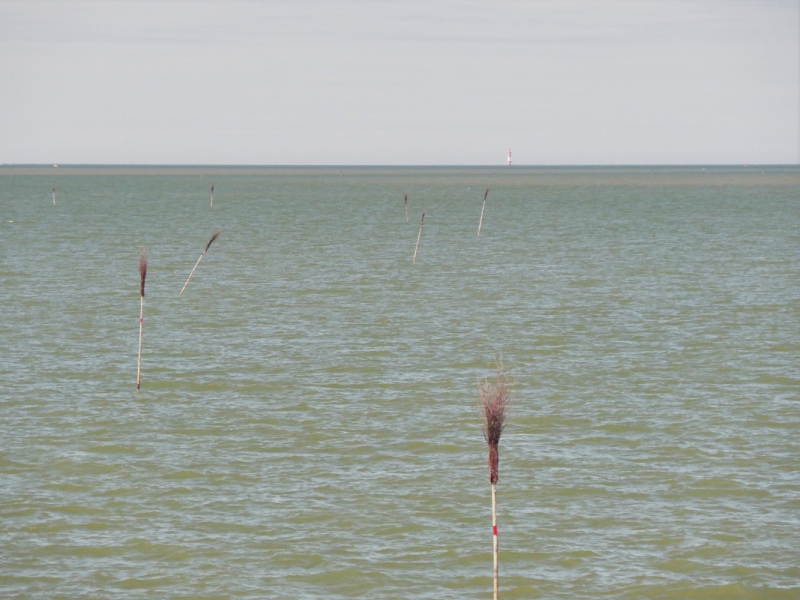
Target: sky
[(565, 82)]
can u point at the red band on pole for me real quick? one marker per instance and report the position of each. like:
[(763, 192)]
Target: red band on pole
[(495, 529), (140, 319)]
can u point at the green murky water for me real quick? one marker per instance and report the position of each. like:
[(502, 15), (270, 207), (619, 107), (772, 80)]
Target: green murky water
[(307, 428)]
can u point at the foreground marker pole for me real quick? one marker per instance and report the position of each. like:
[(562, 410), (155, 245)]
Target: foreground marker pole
[(212, 195), (142, 274), (213, 237), (54, 196), (418, 236), (483, 209), (406, 200), (494, 401)]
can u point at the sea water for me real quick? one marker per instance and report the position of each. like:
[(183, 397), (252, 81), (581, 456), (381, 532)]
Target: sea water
[(307, 423)]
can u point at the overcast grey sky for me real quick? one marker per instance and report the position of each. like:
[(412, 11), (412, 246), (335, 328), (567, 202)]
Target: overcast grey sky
[(409, 83)]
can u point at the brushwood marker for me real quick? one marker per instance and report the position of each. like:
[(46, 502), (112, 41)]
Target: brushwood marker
[(494, 401)]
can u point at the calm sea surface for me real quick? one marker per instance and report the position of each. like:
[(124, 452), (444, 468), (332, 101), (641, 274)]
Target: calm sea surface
[(307, 423)]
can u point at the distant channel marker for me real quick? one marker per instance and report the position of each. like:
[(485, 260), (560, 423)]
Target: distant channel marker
[(142, 275), (483, 209), (418, 236)]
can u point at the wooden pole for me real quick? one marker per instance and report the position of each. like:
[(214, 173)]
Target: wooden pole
[(208, 245), (418, 236), (142, 274), (483, 209), (192, 273), (406, 200), (494, 401), (54, 196), (212, 195), (139, 368), (494, 535)]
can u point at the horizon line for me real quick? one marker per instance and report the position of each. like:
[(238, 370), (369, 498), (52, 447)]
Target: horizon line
[(367, 166)]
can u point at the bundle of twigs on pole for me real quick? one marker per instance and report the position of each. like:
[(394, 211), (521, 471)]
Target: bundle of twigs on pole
[(494, 402), (54, 196), (142, 275), (405, 197), (418, 236), (483, 209), (212, 195), (213, 237)]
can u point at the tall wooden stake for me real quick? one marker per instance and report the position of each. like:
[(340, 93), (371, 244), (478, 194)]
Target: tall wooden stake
[(213, 237), (54, 196), (406, 200), (212, 195), (418, 236), (483, 209), (142, 274)]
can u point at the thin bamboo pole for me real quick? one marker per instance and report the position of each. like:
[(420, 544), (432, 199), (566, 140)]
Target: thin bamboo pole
[(142, 274), (494, 535), (139, 368), (192, 273), (418, 236), (494, 402), (54, 196), (212, 195), (483, 209), (208, 245), (406, 200)]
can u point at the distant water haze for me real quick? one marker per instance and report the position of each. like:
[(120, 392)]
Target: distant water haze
[(307, 425)]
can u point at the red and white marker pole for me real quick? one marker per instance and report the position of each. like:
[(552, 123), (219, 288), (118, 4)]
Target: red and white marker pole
[(494, 536)]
